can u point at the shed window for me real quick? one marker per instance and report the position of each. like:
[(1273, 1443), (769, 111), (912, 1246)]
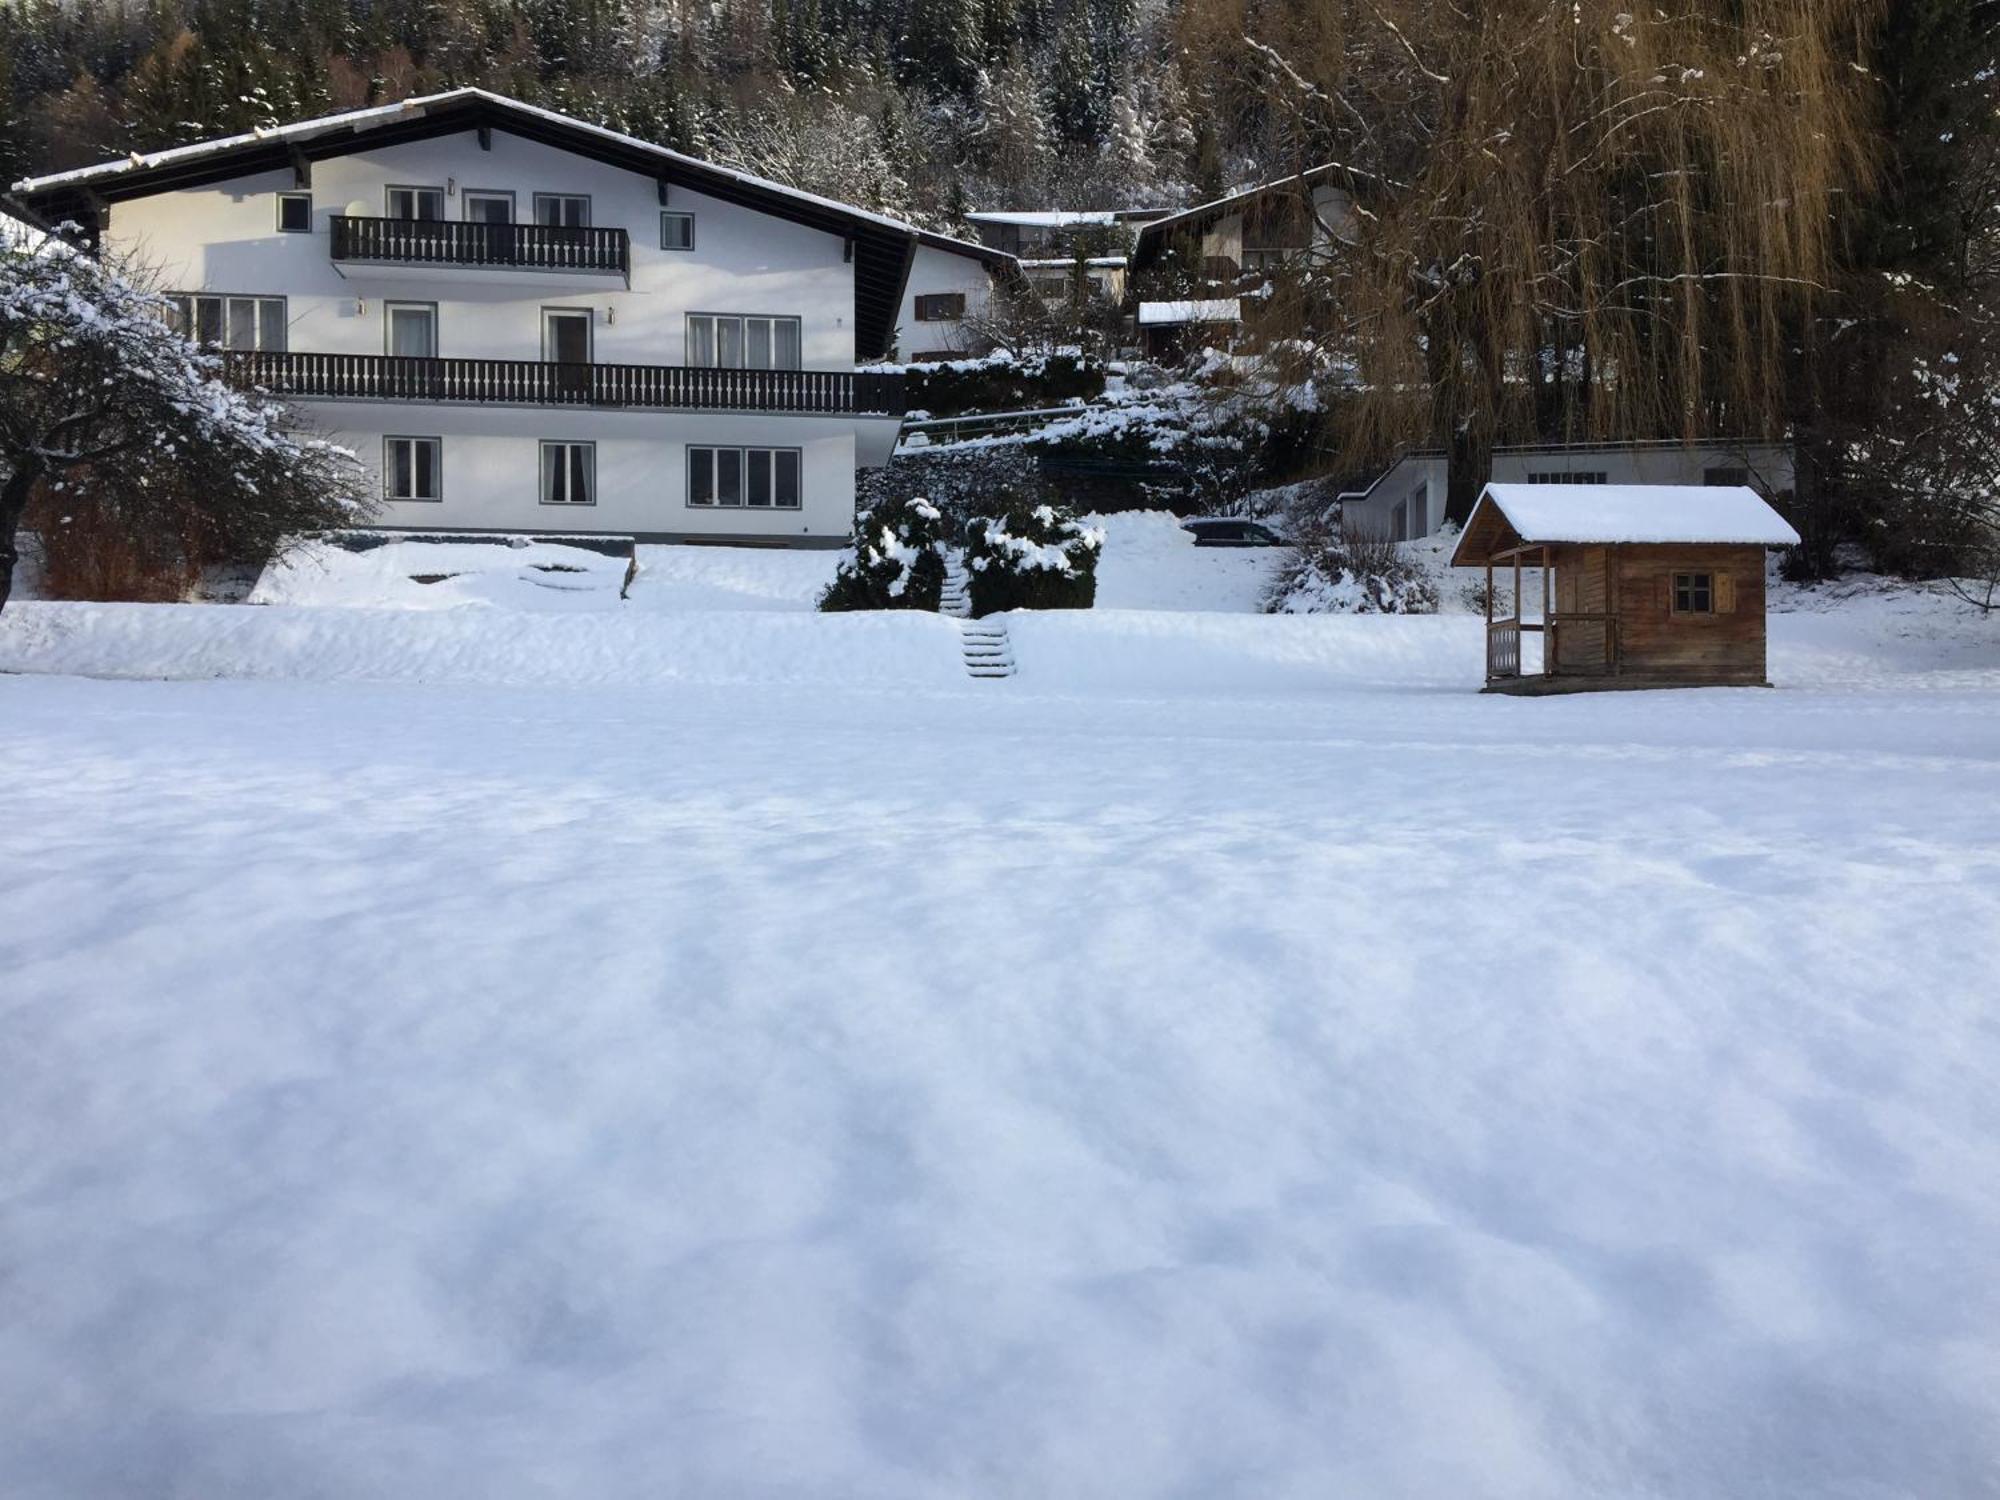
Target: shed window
[(1694, 593)]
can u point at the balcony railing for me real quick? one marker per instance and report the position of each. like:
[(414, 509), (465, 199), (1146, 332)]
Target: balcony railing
[(455, 243), (531, 382)]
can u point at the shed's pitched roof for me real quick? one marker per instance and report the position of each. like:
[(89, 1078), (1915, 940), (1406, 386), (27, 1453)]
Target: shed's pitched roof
[(1601, 514), (883, 246)]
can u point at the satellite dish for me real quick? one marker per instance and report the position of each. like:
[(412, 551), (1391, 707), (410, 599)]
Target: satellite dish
[(358, 209)]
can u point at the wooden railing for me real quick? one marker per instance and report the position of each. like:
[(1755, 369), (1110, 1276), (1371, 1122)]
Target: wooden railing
[(453, 242), (530, 382), (1503, 649)]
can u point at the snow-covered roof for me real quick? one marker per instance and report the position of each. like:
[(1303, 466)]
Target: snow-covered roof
[(1064, 262), (1635, 513), (1045, 219), (382, 114), (1221, 310)]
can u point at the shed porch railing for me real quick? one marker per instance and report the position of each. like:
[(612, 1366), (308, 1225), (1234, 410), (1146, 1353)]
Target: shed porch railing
[(1503, 636)]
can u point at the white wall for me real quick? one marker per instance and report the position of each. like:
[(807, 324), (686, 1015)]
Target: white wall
[(935, 270), (492, 467), (224, 238)]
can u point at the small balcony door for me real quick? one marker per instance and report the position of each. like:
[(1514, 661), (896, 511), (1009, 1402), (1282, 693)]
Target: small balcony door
[(486, 207), (411, 331), (566, 341)]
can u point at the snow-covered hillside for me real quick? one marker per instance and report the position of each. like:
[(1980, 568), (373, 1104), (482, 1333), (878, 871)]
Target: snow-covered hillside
[(637, 1051)]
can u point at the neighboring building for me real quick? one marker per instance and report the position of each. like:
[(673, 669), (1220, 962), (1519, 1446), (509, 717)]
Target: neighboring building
[(1053, 234), (950, 288), (1408, 500), (21, 228), (1255, 230), (526, 323), (1641, 585), (1055, 280)]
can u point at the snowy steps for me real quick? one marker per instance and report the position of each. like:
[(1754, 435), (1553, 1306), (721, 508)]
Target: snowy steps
[(955, 599), (988, 650)]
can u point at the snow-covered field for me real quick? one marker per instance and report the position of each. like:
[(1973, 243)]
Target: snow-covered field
[(501, 1052)]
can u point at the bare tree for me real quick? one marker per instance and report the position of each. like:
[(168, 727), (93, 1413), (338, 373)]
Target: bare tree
[(1582, 219)]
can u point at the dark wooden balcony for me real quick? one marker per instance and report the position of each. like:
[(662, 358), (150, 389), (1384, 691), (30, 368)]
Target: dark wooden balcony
[(532, 382), (456, 244)]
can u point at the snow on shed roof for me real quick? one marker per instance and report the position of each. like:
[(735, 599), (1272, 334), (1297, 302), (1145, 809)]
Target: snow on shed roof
[(1223, 310), (1731, 515)]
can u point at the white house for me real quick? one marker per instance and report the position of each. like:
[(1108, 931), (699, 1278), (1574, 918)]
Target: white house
[(1408, 499), (950, 287), (523, 322)]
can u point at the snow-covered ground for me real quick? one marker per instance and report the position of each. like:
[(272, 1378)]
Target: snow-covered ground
[(631, 1052)]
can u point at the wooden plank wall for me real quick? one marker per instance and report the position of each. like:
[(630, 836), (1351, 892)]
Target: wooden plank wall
[(1727, 646)]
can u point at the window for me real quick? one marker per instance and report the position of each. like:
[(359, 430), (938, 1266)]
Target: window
[(733, 341), (1724, 476), (482, 206), (676, 231), (1050, 288), (226, 322), (941, 307), (1570, 476), (568, 209), (760, 478), (412, 468), (416, 203), (566, 335), (409, 329), (1267, 259), (295, 213), (569, 473), (1694, 593)]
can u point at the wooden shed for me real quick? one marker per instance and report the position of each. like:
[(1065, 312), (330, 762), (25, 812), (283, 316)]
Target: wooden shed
[(1641, 585)]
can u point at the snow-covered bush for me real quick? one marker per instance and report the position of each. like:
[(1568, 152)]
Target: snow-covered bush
[(1036, 556), (143, 462), (1002, 381), (1336, 571), (895, 564)]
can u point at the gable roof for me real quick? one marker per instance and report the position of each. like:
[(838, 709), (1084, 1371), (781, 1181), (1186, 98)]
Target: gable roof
[(883, 247), (1510, 515), (1153, 237)]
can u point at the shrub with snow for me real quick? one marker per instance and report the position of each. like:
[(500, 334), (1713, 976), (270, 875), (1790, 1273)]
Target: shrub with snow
[(1036, 556), (895, 564), (1339, 572)]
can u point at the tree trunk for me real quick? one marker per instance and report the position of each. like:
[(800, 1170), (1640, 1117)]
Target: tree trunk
[(13, 505)]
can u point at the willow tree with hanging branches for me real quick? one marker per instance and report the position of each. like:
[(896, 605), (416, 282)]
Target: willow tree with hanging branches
[(1578, 219)]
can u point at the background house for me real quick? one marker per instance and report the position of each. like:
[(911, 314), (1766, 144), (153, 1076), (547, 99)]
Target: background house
[(1407, 500), (1256, 229), (950, 288)]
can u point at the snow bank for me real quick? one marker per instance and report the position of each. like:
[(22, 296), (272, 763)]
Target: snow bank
[(902, 650), (1148, 562), (1147, 653), (731, 578), (536, 576)]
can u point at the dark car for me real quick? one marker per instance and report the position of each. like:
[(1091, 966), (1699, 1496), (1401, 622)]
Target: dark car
[(1231, 531)]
